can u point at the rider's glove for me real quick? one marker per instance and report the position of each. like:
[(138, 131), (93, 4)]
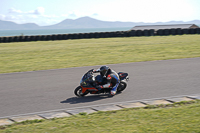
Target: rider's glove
[(99, 87), (92, 70)]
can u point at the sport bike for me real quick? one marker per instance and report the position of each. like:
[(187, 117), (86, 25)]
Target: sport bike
[(89, 82)]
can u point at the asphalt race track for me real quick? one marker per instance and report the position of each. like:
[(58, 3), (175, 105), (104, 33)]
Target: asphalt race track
[(29, 92)]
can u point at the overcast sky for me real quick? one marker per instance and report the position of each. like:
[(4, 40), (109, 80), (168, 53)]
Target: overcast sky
[(48, 12)]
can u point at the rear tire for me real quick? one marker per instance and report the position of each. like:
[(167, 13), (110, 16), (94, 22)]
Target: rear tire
[(78, 92), (121, 87)]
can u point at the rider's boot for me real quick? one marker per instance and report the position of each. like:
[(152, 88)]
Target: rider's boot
[(114, 90)]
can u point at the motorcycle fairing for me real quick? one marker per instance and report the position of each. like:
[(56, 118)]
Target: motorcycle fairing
[(90, 89), (122, 75)]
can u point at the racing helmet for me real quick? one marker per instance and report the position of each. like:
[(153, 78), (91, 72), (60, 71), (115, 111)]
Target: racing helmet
[(104, 70)]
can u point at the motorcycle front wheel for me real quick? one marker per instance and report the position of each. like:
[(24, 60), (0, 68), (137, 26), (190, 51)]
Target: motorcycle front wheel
[(121, 86), (78, 92)]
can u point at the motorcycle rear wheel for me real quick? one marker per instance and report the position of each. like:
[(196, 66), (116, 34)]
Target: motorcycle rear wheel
[(78, 92)]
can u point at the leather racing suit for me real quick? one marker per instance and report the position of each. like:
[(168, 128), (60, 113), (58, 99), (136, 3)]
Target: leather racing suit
[(111, 79)]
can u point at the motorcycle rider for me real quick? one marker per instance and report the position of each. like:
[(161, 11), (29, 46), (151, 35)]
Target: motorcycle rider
[(110, 79)]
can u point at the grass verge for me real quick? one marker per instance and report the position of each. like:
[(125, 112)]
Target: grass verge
[(176, 118), (43, 55)]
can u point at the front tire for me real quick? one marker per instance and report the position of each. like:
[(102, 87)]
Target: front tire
[(78, 92), (121, 86)]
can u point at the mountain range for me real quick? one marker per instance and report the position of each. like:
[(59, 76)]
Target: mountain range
[(83, 22)]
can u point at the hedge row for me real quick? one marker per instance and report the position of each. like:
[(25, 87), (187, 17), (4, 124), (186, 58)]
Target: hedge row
[(131, 33)]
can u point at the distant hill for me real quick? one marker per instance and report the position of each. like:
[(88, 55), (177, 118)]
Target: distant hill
[(87, 22), (8, 25), (83, 22)]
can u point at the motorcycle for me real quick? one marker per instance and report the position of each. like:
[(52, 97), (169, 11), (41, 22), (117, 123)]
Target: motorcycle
[(89, 82)]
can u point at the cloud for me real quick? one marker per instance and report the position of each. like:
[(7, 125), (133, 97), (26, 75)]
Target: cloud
[(2, 17), (77, 14), (95, 14), (39, 17), (73, 14), (13, 10), (38, 11)]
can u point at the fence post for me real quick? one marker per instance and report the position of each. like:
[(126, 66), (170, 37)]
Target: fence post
[(151, 32), (92, 35), (160, 32), (146, 32), (173, 32), (132, 33), (27, 38), (76, 36), (10, 39), (166, 32), (1, 39), (5, 39), (192, 31), (179, 31), (185, 31), (139, 32), (32, 38), (197, 30), (48, 37)]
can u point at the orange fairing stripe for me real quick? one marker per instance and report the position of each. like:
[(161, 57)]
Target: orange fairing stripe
[(85, 89)]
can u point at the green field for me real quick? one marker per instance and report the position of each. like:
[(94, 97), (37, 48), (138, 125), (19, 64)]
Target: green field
[(43, 55), (183, 117)]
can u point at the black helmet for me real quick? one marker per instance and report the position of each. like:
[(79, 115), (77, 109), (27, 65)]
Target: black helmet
[(104, 70)]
